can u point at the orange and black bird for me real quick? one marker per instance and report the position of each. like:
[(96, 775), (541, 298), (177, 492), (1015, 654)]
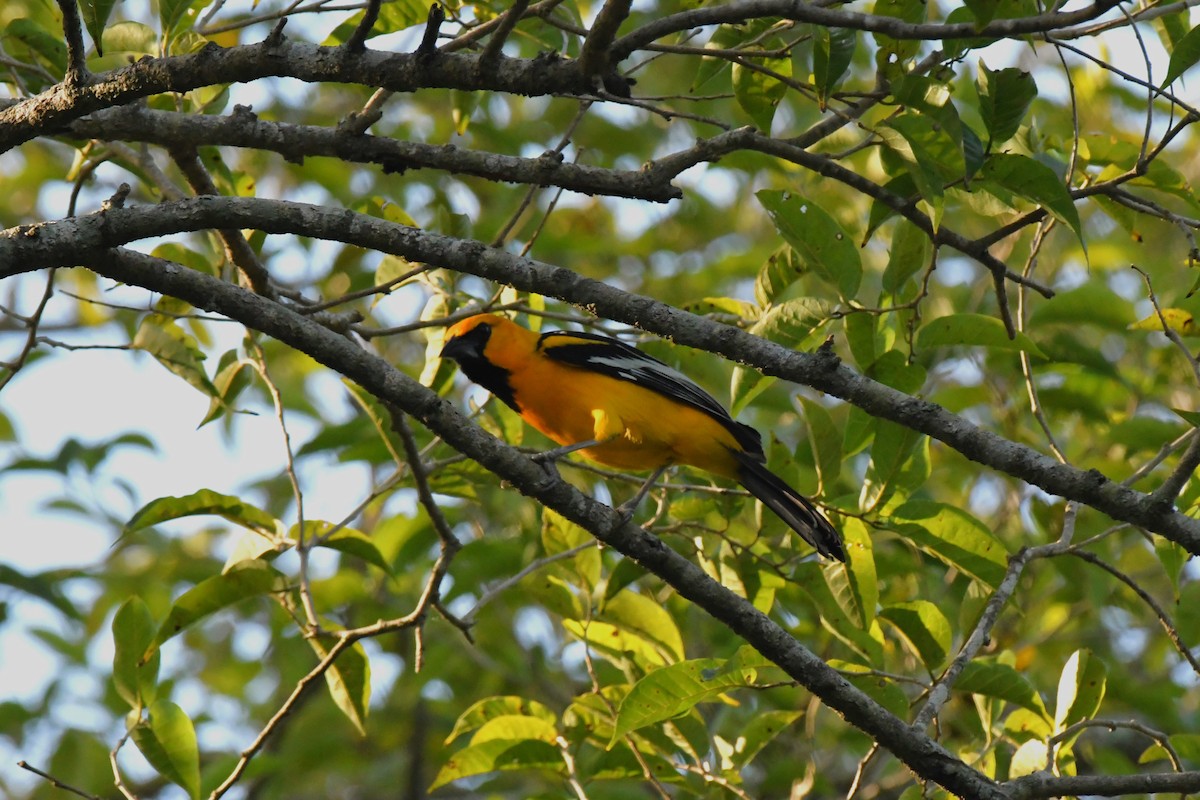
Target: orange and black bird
[(619, 407)]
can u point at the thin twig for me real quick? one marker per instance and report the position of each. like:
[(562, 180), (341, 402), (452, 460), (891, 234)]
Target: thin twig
[(55, 782), (303, 542)]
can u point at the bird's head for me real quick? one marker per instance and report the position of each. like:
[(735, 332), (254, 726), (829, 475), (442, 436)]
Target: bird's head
[(467, 339), (467, 342)]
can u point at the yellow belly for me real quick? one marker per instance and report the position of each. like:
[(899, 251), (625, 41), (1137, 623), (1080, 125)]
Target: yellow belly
[(638, 429)]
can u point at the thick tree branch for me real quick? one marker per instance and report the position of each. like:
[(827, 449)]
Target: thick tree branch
[(1043, 784), (924, 756), (667, 167), (819, 14), (399, 72), (243, 128), (237, 249), (60, 243)]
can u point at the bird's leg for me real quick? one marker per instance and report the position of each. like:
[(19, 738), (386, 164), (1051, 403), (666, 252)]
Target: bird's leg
[(627, 508), (548, 458), (558, 452)]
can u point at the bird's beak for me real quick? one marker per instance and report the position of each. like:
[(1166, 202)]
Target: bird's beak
[(458, 347)]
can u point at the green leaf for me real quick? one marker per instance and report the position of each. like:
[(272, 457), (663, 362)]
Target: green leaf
[(171, 346), (1034, 181), (855, 584), (1004, 98), (244, 580), (349, 681), (833, 51), (879, 688), (95, 15), (346, 540), (931, 154), (39, 40), (559, 534), (892, 54), (973, 330), (863, 639), (818, 240), (647, 618), (893, 445), (515, 727), (1080, 689), (675, 690), (792, 323), (909, 254), (826, 440), (175, 16), (1184, 56), (168, 741), (991, 678), (499, 755), (758, 93), (135, 677), (492, 708), (233, 375), (1092, 303), (204, 501), (902, 186), (924, 627), (130, 37), (952, 535), (760, 731)]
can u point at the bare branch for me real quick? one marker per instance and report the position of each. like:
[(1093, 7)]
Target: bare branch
[(923, 755), (60, 243)]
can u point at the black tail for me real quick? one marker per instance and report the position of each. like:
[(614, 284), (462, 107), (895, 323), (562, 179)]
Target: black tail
[(791, 506)]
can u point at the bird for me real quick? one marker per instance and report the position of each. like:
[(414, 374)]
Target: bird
[(617, 406)]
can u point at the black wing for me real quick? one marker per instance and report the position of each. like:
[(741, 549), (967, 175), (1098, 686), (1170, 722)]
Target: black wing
[(616, 359)]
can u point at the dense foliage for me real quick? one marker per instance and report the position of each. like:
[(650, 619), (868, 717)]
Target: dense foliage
[(940, 255)]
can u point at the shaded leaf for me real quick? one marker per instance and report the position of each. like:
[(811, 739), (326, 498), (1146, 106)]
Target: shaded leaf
[(953, 536), (924, 627), (833, 51), (759, 93), (818, 240), (1004, 98), (994, 679), (1184, 56), (171, 346), (1034, 181), (95, 14)]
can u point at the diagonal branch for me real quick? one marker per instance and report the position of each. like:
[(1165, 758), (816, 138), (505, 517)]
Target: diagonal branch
[(244, 128), (398, 72), (821, 14), (920, 753), (58, 243), (596, 59), (77, 71)]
